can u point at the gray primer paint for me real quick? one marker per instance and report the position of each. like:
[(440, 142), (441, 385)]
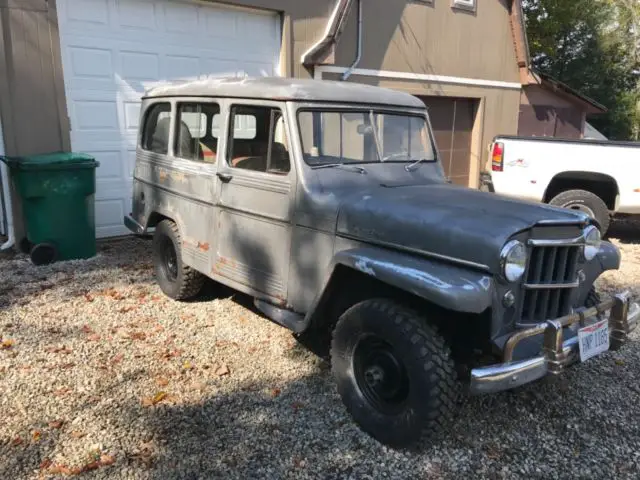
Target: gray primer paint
[(278, 88)]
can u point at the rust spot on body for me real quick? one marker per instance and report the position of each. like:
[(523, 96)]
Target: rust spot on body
[(203, 246)]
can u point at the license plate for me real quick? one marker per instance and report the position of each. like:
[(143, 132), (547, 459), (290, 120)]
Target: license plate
[(593, 340)]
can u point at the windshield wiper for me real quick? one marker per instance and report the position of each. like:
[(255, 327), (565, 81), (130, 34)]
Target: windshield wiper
[(414, 165), (351, 168)]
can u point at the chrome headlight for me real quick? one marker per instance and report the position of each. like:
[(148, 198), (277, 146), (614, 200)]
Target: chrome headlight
[(513, 260), (592, 240)]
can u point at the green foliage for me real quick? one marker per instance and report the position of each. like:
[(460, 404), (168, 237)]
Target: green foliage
[(592, 45)]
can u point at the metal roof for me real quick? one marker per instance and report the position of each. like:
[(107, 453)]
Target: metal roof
[(281, 88)]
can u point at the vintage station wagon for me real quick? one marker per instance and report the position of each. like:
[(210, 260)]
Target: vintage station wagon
[(327, 202)]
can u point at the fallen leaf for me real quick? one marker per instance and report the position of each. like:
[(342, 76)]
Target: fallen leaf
[(16, 441), (56, 424), (61, 391), (619, 362), (128, 308), (6, 344), (118, 358), (107, 459), (137, 336), (78, 434), (162, 382), (64, 366), (252, 349), (222, 370), (88, 297), (158, 397), (87, 329), (62, 469), (187, 365), (36, 435), (187, 317), (57, 349), (45, 464), (275, 392)]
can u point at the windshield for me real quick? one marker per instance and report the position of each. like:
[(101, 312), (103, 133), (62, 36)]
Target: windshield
[(363, 136)]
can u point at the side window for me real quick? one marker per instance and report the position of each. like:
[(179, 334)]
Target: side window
[(194, 132), (155, 134), (259, 141)]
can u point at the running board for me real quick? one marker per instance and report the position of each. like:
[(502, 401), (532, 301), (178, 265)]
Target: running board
[(291, 320)]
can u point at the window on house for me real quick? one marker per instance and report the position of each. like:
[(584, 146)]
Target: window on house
[(464, 4), (195, 139), (258, 141), (155, 134)]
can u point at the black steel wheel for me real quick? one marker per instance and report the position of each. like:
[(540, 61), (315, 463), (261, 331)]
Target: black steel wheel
[(175, 279), (380, 374), (394, 373)]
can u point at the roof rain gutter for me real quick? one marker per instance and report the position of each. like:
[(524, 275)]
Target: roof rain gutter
[(355, 63), (336, 24)]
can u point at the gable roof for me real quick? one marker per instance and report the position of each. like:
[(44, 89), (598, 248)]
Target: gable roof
[(550, 83)]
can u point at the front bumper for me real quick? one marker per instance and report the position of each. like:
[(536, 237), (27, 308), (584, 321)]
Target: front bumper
[(556, 353)]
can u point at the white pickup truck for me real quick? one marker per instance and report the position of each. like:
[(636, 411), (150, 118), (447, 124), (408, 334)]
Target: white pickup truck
[(600, 178)]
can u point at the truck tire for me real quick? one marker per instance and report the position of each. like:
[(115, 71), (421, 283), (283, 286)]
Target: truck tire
[(176, 280), (394, 373), (586, 202)]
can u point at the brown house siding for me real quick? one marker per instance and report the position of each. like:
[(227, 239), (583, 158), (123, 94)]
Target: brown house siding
[(545, 114)]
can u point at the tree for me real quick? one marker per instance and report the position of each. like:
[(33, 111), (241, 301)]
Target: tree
[(581, 43)]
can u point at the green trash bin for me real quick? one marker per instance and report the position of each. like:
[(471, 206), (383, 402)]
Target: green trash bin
[(57, 192)]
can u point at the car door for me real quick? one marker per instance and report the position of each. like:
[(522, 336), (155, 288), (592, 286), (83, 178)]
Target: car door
[(255, 194)]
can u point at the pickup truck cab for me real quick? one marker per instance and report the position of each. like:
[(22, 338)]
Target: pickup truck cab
[(327, 203), (597, 177)]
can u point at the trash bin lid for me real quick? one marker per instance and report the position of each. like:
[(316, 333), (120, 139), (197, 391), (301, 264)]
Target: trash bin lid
[(53, 160)]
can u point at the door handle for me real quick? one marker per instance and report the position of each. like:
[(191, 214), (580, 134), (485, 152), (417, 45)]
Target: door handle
[(225, 177)]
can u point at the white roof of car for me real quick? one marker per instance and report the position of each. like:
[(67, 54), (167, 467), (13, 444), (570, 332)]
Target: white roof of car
[(281, 88)]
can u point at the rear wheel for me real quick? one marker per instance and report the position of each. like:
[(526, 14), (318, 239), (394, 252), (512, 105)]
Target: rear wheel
[(394, 373), (175, 279), (586, 202)]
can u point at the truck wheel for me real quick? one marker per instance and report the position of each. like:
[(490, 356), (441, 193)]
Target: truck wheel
[(586, 202), (394, 373), (175, 279)]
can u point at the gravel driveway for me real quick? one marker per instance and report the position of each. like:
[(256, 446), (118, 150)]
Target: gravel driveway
[(101, 375)]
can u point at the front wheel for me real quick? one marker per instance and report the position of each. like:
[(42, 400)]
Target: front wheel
[(394, 373)]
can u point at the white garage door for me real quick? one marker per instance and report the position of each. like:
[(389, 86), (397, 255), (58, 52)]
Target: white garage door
[(114, 50)]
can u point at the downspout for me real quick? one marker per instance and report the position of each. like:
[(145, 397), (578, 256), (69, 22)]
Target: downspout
[(6, 201), (334, 26), (355, 63)]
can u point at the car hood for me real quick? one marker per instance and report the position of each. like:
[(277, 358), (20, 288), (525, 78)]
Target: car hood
[(443, 220)]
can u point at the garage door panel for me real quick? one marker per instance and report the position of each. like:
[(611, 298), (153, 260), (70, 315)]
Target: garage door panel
[(137, 15), (140, 65), (114, 50)]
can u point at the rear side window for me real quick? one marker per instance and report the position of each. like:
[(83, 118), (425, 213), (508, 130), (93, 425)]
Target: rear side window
[(194, 137), (155, 134)]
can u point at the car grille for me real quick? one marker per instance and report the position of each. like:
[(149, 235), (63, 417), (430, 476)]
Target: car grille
[(550, 279)]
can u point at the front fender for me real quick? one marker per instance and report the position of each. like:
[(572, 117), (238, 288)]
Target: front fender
[(449, 286), (608, 258)]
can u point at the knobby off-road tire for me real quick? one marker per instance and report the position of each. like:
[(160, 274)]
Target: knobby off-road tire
[(587, 202), (418, 395), (176, 280)]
